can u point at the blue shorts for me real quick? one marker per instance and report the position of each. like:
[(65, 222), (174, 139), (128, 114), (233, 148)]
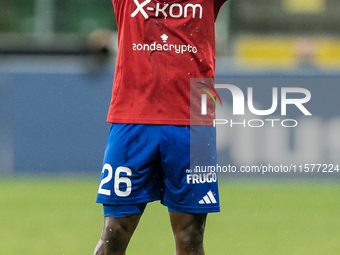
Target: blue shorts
[(144, 163)]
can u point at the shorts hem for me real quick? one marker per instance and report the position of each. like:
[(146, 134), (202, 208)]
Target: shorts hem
[(128, 201), (187, 209)]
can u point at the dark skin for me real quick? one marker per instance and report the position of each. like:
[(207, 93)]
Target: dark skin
[(188, 231)]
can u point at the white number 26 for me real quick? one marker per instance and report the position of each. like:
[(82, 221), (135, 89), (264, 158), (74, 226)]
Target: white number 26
[(118, 180)]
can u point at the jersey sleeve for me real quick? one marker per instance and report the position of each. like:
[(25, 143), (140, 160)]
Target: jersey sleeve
[(217, 6)]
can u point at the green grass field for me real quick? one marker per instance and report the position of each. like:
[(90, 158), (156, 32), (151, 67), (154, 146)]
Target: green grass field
[(58, 216)]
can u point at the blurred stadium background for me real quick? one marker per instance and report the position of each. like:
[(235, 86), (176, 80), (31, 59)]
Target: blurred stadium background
[(57, 62)]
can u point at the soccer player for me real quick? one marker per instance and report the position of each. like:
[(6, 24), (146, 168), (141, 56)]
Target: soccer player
[(154, 143)]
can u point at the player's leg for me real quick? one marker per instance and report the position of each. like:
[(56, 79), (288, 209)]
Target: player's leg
[(190, 183), (120, 221), (188, 230), (116, 234), (129, 180)]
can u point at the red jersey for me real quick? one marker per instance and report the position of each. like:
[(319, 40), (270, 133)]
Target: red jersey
[(161, 45)]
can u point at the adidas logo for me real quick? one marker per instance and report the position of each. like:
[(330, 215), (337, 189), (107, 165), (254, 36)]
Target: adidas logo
[(208, 199)]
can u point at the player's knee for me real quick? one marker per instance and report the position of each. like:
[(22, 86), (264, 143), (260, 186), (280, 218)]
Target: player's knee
[(113, 240), (190, 239), (116, 238), (99, 250), (116, 234)]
